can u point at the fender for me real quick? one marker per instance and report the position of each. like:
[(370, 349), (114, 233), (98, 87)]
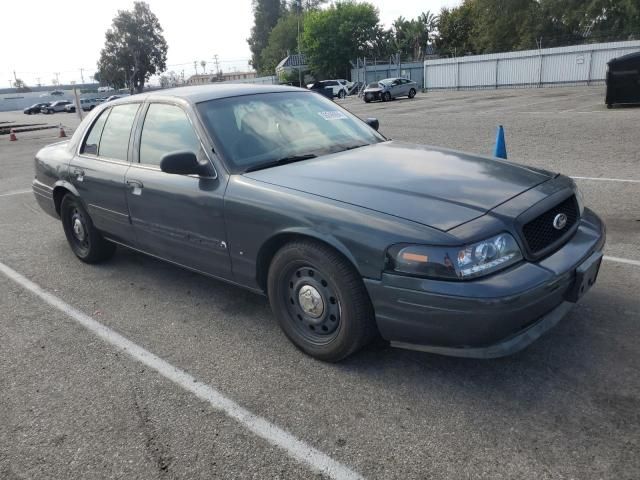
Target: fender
[(64, 184), (323, 237)]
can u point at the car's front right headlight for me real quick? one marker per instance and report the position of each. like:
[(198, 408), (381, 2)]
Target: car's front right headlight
[(455, 263)]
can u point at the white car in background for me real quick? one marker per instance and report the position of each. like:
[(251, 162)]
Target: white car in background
[(55, 106), (87, 105), (340, 87)]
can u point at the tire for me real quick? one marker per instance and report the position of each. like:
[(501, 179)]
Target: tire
[(85, 241), (609, 105), (412, 93), (341, 94), (329, 329), (386, 97)]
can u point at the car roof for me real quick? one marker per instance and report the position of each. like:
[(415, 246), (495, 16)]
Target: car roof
[(202, 93)]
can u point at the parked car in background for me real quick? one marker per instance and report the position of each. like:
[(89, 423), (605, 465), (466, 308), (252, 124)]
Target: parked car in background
[(390, 88), (35, 108), (105, 89), (87, 105), (338, 87), (57, 92), (55, 106), (348, 234)]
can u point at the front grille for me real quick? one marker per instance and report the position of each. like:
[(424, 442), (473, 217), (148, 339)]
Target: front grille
[(540, 233)]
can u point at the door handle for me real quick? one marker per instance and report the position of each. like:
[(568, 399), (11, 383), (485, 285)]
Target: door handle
[(136, 186), (79, 173)]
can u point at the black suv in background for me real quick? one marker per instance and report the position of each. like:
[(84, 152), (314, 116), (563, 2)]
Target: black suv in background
[(35, 108)]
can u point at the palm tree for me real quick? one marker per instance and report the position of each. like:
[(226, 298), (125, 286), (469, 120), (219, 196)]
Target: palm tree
[(204, 66)]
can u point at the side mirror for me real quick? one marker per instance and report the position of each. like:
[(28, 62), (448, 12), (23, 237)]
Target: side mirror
[(183, 163), (373, 123)]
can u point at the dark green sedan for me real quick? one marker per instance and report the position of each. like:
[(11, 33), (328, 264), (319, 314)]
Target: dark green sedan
[(351, 236)]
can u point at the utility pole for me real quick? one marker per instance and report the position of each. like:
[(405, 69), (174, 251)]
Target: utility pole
[(57, 74), (299, 4), (82, 74), (195, 66), (215, 59)]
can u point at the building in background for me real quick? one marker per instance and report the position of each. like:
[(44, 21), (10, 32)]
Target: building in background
[(287, 69), (201, 79)]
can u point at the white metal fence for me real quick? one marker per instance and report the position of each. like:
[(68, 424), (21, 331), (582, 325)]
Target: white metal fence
[(580, 64)]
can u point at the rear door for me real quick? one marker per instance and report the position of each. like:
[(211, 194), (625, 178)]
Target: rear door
[(176, 217), (98, 170)]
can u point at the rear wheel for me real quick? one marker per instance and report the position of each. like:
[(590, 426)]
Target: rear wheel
[(412, 93), (85, 241), (320, 301)]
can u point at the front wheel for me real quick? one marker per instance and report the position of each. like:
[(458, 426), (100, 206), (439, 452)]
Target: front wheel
[(412, 93), (386, 97), (342, 94), (320, 301), (85, 241)]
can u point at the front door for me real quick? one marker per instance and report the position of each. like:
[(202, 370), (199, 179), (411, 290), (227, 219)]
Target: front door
[(176, 217), (98, 172)]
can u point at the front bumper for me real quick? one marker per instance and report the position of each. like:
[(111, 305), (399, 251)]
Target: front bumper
[(373, 95), (488, 317)]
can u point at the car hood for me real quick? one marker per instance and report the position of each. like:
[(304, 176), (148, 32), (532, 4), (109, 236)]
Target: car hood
[(436, 187)]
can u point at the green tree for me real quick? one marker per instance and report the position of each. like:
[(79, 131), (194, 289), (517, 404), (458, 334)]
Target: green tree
[(266, 14), (283, 39), (134, 49), (334, 36), (455, 27), (411, 37)]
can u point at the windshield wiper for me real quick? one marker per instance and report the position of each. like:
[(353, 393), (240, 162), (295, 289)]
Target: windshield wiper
[(280, 161)]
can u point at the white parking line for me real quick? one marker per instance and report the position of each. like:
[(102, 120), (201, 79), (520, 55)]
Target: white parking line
[(603, 179), (623, 260), (299, 450), (14, 192)]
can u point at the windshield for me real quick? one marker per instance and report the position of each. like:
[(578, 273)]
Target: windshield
[(252, 130), (374, 85)]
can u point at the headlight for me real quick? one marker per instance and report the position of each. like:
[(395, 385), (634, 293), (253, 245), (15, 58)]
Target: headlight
[(455, 263)]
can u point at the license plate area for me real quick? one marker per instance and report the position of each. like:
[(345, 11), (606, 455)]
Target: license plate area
[(586, 275)]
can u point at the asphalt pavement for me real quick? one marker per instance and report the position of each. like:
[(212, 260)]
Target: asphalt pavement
[(77, 403)]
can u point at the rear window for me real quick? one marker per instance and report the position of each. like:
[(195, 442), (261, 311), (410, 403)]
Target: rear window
[(114, 142), (90, 146)]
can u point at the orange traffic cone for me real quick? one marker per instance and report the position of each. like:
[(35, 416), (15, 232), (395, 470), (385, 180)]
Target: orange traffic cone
[(62, 134), (12, 136)]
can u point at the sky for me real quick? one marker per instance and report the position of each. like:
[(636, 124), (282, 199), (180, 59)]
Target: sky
[(42, 38)]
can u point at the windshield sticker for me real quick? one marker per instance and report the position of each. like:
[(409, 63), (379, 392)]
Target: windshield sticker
[(333, 115)]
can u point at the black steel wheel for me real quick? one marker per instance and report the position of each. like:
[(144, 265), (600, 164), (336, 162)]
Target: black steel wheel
[(320, 301), (412, 93), (85, 241)]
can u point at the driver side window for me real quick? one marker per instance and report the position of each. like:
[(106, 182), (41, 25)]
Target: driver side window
[(166, 129)]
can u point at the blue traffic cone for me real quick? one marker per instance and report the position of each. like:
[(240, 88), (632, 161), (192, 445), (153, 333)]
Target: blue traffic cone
[(500, 150)]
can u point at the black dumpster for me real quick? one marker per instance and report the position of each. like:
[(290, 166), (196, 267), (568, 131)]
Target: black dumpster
[(623, 80)]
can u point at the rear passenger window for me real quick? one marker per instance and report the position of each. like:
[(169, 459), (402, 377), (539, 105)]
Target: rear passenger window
[(166, 129), (93, 139), (114, 142)]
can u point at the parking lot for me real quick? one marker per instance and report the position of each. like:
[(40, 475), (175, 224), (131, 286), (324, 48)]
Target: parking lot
[(78, 401)]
